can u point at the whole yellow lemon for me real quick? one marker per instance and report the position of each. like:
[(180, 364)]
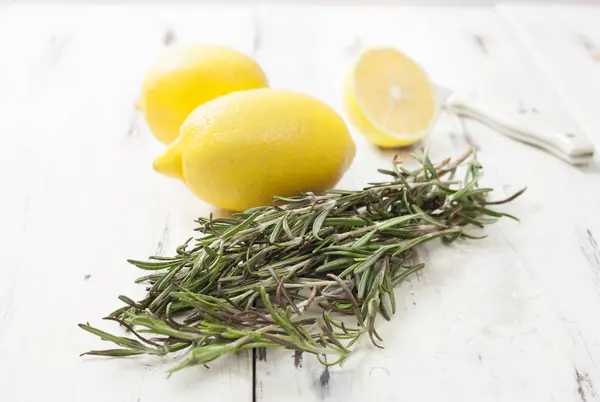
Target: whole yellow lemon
[(242, 149), (185, 77)]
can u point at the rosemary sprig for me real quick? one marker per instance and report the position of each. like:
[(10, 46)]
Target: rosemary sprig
[(255, 279)]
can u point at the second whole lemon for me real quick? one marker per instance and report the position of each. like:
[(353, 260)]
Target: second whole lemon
[(242, 149), (186, 77)]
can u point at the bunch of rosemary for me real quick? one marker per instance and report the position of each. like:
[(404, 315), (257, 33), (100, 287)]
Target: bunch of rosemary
[(249, 281)]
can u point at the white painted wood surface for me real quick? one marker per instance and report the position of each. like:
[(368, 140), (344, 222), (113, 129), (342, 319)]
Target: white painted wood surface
[(509, 318), (565, 42), (79, 197)]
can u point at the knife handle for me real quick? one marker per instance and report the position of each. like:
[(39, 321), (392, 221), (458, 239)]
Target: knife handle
[(570, 146)]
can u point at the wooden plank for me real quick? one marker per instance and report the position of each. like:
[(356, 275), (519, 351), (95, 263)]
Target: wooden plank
[(80, 197), (506, 318), (511, 317), (565, 43)]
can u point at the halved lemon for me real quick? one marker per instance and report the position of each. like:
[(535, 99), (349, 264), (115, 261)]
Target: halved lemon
[(389, 98)]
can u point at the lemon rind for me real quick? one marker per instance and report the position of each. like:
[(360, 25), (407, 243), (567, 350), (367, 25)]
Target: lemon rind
[(400, 136)]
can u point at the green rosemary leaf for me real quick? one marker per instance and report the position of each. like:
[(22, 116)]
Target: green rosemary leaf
[(364, 283), (118, 340), (365, 239), (397, 221), (334, 264), (255, 209), (405, 274), (321, 218), (467, 188), (275, 234), (114, 352), (165, 281), (210, 252), (152, 266), (202, 355), (388, 172), (128, 301), (408, 244), (368, 262), (349, 270), (345, 222), (287, 199), (428, 218), (472, 237), (286, 226), (249, 280), (244, 224), (338, 251), (486, 211)]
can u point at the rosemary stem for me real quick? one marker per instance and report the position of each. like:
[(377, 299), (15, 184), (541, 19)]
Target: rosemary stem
[(248, 281)]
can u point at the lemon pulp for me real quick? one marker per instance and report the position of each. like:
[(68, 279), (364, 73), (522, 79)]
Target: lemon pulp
[(390, 98)]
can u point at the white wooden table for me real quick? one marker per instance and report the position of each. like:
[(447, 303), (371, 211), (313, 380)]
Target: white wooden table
[(514, 317)]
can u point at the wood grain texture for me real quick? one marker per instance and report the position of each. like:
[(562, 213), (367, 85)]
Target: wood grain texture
[(80, 197), (565, 43), (508, 318), (490, 320)]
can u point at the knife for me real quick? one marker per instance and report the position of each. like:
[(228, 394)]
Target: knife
[(570, 146)]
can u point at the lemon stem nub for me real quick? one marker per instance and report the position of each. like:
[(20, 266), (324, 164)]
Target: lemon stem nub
[(170, 163)]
